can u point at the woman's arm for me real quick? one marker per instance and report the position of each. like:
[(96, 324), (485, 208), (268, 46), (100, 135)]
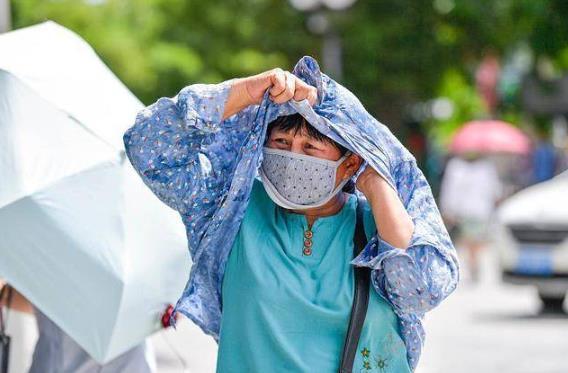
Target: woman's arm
[(417, 275), (394, 225), (181, 144), (185, 148), (168, 145)]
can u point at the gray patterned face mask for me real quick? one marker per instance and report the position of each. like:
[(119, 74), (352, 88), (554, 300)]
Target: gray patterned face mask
[(297, 181)]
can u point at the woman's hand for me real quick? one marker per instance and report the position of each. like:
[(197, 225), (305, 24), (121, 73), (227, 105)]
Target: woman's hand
[(394, 225), (367, 180), (283, 86)]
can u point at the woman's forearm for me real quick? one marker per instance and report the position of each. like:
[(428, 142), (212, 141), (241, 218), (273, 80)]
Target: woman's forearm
[(394, 225), (238, 99)]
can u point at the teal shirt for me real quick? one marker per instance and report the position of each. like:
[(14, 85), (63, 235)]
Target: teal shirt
[(287, 312)]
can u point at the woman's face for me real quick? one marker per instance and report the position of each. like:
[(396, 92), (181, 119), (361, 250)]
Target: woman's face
[(302, 143)]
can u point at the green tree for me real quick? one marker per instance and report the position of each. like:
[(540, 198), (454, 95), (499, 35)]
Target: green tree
[(396, 52)]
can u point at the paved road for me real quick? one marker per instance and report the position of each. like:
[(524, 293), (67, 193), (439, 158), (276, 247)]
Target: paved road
[(483, 328), (494, 328)]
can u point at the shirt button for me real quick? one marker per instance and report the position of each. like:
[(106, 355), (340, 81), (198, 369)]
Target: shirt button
[(307, 251), (308, 234), (307, 242)]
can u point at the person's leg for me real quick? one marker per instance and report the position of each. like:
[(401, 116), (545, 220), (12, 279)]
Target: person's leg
[(474, 249), (48, 353), (473, 237)]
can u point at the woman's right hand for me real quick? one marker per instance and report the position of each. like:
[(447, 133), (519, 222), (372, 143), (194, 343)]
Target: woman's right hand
[(283, 86)]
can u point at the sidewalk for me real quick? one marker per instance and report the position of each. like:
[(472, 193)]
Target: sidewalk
[(197, 350)]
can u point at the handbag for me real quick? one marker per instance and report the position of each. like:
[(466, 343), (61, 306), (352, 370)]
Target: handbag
[(4, 339), (360, 297)]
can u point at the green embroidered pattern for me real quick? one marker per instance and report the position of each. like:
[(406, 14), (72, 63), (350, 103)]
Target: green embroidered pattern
[(380, 362), (365, 352)]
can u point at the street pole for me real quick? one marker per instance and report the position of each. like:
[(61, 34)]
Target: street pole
[(331, 53), (5, 16), (319, 24)]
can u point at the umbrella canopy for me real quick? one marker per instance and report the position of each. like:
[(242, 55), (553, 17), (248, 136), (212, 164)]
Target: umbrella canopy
[(80, 235), (490, 136)]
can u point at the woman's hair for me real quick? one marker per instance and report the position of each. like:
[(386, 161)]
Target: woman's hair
[(296, 122)]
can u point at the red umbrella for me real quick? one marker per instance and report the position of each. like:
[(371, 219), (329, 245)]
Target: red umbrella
[(490, 136)]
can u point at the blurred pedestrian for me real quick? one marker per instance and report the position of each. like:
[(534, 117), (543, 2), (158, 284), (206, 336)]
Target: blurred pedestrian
[(544, 157), (18, 328), (487, 78), (57, 352), (469, 192)]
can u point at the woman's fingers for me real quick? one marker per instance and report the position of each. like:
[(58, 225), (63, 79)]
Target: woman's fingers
[(278, 82), (313, 96), (302, 90), (285, 86), (305, 91), (288, 92)]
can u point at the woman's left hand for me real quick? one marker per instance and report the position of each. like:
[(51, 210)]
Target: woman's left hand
[(368, 181), (394, 225)]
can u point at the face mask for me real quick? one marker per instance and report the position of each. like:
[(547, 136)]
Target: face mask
[(297, 181)]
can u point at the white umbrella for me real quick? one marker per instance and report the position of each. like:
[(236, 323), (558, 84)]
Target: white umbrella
[(80, 235)]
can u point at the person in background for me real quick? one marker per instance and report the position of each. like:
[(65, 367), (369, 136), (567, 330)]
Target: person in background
[(487, 78), (544, 157), (57, 352), (19, 326), (469, 192)]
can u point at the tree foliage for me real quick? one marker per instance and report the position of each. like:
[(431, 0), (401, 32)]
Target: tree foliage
[(396, 52)]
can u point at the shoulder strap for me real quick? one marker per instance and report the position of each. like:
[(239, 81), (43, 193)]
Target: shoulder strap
[(360, 297)]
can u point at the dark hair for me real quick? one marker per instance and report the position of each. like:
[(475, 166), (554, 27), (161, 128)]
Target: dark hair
[(296, 122)]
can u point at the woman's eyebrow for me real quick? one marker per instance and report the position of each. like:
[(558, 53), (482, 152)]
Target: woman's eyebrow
[(319, 141)]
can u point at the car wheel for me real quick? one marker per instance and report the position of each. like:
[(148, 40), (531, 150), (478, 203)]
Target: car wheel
[(552, 303)]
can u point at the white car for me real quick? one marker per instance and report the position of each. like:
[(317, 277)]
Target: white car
[(531, 236)]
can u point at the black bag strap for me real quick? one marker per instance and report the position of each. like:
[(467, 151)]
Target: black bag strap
[(360, 297)]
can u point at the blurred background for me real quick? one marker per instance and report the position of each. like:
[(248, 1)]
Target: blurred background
[(477, 90)]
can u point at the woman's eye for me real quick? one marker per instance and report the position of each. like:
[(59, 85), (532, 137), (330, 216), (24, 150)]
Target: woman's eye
[(310, 146), (281, 141)]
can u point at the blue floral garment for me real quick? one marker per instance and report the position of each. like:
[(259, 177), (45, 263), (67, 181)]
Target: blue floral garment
[(204, 167)]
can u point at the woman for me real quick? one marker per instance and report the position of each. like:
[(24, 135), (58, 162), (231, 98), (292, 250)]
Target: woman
[(271, 277)]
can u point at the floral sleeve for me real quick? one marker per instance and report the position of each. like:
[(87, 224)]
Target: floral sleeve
[(418, 278), (185, 153)]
